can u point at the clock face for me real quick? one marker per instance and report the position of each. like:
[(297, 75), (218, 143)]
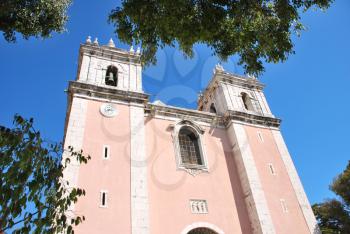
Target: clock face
[(108, 110)]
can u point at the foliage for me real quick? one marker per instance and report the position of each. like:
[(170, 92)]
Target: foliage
[(32, 17), (33, 196), (255, 30), (333, 215)]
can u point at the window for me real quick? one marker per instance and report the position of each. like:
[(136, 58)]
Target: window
[(284, 206), (106, 152), (212, 108), (103, 198), (260, 137), (189, 151), (272, 169), (247, 102), (111, 76), (189, 147)]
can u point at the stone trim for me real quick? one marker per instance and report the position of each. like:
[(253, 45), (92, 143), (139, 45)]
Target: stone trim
[(74, 136), (191, 169), (296, 183), (254, 195), (202, 225), (109, 53), (139, 189), (251, 118), (90, 90)]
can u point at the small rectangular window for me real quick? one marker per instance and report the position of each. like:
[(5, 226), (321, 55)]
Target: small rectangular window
[(272, 169), (260, 137), (106, 151), (103, 199), (284, 206)]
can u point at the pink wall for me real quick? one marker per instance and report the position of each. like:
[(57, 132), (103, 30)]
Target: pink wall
[(170, 189), (112, 174), (276, 186)]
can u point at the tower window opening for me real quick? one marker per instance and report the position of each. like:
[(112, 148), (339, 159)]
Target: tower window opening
[(247, 102), (189, 147), (106, 152), (284, 206), (272, 169), (103, 199), (111, 76), (212, 108)]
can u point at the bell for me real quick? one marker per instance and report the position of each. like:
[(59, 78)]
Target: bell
[(110, 79)]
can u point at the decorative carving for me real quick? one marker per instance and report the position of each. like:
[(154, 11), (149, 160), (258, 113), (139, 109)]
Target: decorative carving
[(194, 171), (108, 110), (199, 206)]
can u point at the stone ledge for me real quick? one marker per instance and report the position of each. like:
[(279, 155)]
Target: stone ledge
[(91, 90), (252, 119)]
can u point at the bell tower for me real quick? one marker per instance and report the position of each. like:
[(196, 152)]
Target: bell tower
[(258, 147), (105, 118), (108, 66)]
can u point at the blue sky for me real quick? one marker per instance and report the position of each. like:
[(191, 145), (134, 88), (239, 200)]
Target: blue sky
[(309, 91)]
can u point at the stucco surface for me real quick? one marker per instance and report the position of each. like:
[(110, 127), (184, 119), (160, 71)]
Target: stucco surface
[(171, 189), (277, 186)]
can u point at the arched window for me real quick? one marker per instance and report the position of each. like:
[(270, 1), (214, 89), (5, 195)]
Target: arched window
[(247, 102), (202, 231), (212, 108), (189, 147), (111, 76)]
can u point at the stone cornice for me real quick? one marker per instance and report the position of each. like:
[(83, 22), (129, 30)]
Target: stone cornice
[(206, 117), (238, 80), (251, 118), (182, 113), (90, 90), (110, 53)]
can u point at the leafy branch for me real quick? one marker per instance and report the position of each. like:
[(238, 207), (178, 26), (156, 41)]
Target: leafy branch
[(34, 197)]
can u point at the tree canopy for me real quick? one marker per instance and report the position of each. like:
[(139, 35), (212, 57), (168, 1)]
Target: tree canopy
[(32, 17), (34, 198), (257, 31), (333, 215)]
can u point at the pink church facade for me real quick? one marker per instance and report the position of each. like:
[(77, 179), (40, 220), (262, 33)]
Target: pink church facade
[(223, 168)]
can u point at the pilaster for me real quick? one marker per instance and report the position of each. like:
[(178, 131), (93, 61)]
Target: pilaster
[(74, 137), (296, 183), (139, 191), (254, 195)]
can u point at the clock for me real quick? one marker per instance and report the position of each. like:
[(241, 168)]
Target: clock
[(108, 110)]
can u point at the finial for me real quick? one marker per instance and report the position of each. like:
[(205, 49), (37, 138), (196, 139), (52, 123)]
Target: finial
[(132, 49), (219, 67), (111, 43), (88, 40), (96, 41), (138, 51), (251, 76)]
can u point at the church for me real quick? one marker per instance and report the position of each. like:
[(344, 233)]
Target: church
[(160, 169)]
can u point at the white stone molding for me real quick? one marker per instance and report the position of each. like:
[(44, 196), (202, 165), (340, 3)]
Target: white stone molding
[(254, 195), (139, 189), (74, 136), (296, 183), (198, 131), (198, 206), (202, 225)]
